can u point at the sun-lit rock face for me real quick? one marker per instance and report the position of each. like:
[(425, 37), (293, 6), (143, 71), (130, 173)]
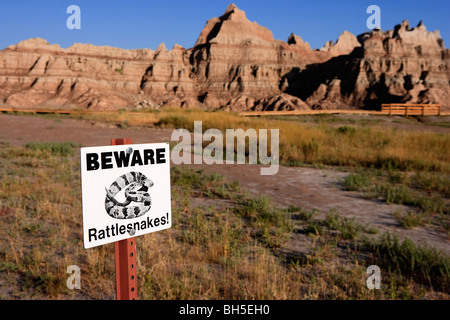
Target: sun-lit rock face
[(235, 64)]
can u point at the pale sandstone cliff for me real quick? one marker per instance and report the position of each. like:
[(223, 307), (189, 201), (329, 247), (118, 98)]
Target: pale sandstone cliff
[(235, 64)]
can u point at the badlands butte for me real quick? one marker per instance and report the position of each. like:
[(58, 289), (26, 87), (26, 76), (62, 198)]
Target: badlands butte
[(235, 65)]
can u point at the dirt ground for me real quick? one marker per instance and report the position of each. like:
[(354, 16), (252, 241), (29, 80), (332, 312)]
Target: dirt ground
[(299, 186)]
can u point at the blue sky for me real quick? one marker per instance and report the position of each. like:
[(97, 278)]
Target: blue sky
[(132, 24)]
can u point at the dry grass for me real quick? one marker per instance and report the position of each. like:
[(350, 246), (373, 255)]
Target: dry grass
[(231, 248), (364, 143), (226, 250)]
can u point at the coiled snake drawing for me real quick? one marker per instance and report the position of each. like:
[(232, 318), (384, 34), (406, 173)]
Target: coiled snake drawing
[(137, 186)]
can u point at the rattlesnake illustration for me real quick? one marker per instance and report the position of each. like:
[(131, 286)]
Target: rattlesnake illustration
[(137, 186)]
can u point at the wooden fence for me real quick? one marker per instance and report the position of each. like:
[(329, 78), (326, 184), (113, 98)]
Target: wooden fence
[(410, 109), (404, 109), (386, 109), (305, 112)]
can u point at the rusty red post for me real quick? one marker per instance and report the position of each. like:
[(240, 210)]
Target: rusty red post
[(125, 256)]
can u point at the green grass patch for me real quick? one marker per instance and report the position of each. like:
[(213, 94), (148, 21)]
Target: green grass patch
[(406, 259), (349, 228), (272, 225), (208, 185), (62, 149), (409, 220), (425, 192), (306, 215), (357, 181)]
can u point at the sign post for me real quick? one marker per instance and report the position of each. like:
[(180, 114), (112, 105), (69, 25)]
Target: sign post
[(125, 193), (125, 256), (126, 280)]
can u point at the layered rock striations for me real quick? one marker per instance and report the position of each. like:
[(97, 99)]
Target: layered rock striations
[(35, 73), (235, 64)]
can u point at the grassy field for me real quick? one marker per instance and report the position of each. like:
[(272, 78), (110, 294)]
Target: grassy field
[(313, 140), (224, 243)]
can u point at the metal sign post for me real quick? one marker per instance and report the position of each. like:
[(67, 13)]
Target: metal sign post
[(125, 194), (125, 254)]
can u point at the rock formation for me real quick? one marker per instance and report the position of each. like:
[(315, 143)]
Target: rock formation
[(235, 64)]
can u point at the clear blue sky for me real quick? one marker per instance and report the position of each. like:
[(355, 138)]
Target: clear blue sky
[(134, 24)]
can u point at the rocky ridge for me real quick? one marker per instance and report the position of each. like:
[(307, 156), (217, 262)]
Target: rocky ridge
[(235, 64)]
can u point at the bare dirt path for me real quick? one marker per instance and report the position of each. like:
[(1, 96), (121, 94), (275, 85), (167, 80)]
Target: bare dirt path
[(19, 130), (306, 187)]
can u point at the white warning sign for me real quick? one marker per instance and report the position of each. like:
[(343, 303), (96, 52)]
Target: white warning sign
[(125, 191)]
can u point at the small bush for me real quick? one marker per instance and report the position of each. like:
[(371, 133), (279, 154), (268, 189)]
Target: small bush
[(427, 265), (333, 220), (371, 230), (314, 227), (398, 194), (306, 215), (350, 229), (293, 209), (356, 181), (254, 206)]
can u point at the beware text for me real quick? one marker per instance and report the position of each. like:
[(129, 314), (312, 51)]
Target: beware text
[(123, 159)]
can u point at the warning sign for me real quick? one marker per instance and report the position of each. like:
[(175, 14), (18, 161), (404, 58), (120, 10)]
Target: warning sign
[(125, 192)]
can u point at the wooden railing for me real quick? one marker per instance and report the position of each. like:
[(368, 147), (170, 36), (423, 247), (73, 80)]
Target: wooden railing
[(305, 112), (411, 109), (406, 109)]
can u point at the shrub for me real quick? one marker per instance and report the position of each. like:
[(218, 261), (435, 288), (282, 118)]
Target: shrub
[(409, 220), (306, 215), (333, 220), (314, 227), (398, 194), (254, 206), (350, 229), (356, 181)]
